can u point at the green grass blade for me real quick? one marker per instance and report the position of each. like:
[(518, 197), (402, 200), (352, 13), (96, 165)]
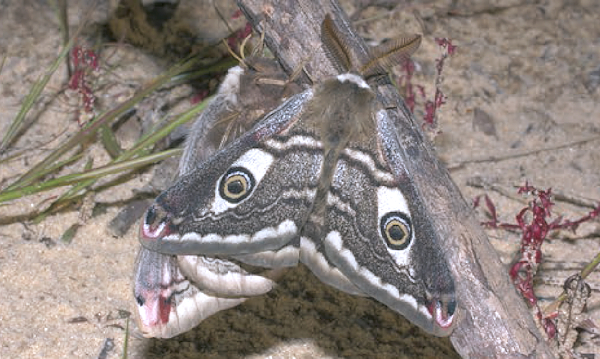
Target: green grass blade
[(140, 149), (85, 133), (126, 340), (88, 175), (111, 145)]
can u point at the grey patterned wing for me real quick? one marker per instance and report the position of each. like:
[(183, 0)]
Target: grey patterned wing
[(252, 196), (167, 303), (378, 235), (175, 293)]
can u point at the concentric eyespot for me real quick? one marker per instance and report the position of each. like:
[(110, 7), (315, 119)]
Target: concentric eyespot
[(396, 230), (236, 184)]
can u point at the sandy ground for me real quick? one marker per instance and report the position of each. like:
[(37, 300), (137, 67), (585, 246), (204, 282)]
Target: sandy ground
[(522, 92)]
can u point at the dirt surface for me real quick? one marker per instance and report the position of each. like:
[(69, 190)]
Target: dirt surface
[(522, 93)]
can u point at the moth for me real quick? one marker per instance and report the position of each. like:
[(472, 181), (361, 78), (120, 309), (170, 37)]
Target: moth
[(319, 180)]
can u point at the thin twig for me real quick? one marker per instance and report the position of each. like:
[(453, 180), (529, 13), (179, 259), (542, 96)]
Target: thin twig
[(516, 154), (585, 272)]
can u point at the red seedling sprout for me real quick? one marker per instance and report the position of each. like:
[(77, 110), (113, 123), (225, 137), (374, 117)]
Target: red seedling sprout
[(238, 37), (233, 42), (410, 97), (83, 61), (236, 14), (532, 222), (199, 97), (430, 106)]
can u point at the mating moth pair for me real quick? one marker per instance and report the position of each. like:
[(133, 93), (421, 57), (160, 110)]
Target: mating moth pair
[(319, 180)]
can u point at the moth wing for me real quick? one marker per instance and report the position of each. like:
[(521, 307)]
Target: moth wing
[(377, 234), (210, 130), (287, 256), (312, 254), (221, 277), (252, 196), (218, 276), (167, 303)]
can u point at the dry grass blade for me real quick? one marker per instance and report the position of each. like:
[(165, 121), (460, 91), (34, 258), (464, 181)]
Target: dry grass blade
[(335, 48), (92, 174), (19, 122), (585, 272), (391, 53), (38, 170), (126, 340), (136, 157)]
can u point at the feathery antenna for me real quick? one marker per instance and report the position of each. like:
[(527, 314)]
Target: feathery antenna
[(335, 47), (391, 53), (381, 57)]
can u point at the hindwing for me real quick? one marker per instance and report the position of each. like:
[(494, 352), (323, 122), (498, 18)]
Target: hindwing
[(167, 302)]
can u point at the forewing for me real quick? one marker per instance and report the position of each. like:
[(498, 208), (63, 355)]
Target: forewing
[(252, 196), (377, 234)]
